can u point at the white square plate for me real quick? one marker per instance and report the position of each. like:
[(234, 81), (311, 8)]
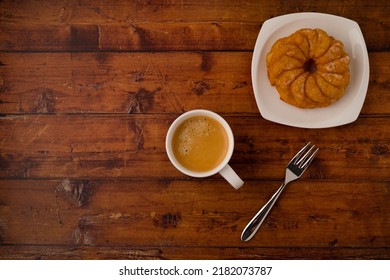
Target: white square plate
[(341, 112)]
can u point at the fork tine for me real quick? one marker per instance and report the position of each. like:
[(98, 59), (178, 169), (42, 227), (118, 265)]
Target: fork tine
[(299, 154), (302, 158), (309, 160)]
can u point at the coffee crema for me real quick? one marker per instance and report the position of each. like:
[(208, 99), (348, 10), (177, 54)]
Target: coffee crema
[(200, 143)]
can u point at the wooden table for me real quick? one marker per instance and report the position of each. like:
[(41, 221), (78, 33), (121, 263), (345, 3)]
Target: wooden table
[(88, 90)]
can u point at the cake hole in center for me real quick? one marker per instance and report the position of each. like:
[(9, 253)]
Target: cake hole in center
[(310, 66)]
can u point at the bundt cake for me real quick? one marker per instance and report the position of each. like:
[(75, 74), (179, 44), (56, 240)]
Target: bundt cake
[(309, 68)]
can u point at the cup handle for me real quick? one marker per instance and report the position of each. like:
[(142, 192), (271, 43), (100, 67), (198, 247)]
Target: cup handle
[(231, 176)]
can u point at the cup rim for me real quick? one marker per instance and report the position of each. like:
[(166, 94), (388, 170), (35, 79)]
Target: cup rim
[(182, 118)]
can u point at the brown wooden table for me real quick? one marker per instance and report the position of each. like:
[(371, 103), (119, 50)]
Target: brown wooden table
[(88, 90)]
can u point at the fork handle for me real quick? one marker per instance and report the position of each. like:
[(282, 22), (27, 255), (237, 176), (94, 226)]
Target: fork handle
[(253, 226)]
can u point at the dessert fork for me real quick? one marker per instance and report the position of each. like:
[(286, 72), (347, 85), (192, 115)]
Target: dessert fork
[(296, 167)]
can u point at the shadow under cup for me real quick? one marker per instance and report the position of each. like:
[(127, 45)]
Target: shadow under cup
[(222, 167)]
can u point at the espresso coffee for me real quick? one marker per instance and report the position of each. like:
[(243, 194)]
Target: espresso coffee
[(200, 143)]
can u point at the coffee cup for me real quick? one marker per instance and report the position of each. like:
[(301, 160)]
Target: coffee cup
[(200, 143)]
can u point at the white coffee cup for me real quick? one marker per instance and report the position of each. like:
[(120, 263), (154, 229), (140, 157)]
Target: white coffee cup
[(223, 167)]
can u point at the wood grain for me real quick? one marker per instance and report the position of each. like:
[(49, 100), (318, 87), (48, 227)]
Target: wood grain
[(125, 82), (82, 146), (80, 252), (188, 213), (88, 90), (146, 83), (185, 25)]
